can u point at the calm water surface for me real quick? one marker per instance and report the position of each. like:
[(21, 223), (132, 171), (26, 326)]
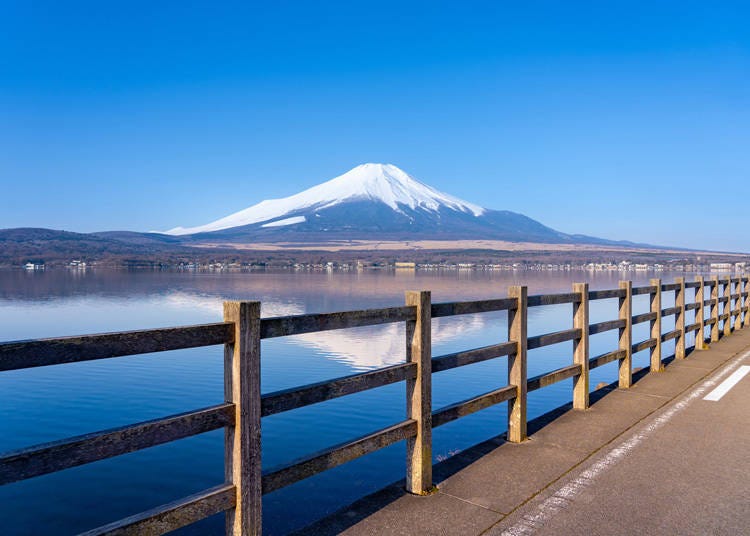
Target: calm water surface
[(50, 403)]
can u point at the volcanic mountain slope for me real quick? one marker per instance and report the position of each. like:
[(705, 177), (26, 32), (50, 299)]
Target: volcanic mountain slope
[(374, 202)]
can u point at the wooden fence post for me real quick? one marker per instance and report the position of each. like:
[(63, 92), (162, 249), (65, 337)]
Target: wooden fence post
[(242, 464), (738, 303), (655, 325), (626, 335), (419, 394), (581, 346), (700, 335), (679, 321), (747, 301), (715, 308), (518, 333), (728, 306)]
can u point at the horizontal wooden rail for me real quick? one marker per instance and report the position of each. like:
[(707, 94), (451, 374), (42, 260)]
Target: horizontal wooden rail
[(44, 352), (693, 327), (283, 326), (601, 327), (709, 302), (472, 405), (63, 454), (643, 345), (691, 306), (670, 286), (723, 299), (553, 299), (297, 397), (335, 456), (172, 516), (603, 359), (669, 311), (668, 336), (471, 307), (644, 317), (643, 290), (605, 294), (711, 321), (467, 357), (725, 316), (543, 380), (692, 284), (548, 339)]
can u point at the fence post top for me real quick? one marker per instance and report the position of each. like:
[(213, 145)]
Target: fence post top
[(517, 291), (626, 284)]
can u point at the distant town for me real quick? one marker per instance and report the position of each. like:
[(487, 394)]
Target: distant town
[(622, 266)]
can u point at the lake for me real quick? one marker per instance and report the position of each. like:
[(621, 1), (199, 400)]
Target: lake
[(39, 405)]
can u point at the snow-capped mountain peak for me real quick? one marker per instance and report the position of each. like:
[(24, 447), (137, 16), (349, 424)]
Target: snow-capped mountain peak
[(384, 183)]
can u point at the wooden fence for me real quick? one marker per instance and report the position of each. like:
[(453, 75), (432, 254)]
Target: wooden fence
[(240, 415)]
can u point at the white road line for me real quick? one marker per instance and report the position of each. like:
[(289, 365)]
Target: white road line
[(726, 385), (563, 498)]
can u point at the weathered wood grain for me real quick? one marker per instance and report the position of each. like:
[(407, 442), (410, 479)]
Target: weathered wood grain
[(552, 299), (242, 445), (714, 309), (693, 327), (43, 352), (58, 455), (297, 397), (419, 394), (679, 321), (472, 405), (171, 516), (602, 327), (727, 309), (625, 368), (517, 372), (605, 294), (692, 306), (643, 345), (467, 357), (471, 307), (645, 290), (643, 317), (669, 335), (603, 359), (563, 373), (283, 326), (548, 339), (329, 458), (655, 364), (581, 346)]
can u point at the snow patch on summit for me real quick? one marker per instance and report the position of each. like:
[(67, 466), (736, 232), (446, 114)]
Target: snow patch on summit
[(385, 183)]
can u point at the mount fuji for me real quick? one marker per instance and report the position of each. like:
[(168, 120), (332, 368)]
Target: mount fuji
[(373, 202)]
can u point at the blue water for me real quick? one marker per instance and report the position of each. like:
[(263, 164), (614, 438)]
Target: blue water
[(50, 403)]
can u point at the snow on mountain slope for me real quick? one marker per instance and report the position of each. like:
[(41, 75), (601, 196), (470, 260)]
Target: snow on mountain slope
[(385, 183)]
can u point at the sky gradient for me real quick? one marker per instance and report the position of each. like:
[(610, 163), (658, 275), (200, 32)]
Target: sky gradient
[(620, 120)]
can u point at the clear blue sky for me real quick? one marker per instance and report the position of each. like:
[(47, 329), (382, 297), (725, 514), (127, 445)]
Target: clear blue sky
[(626, 120)]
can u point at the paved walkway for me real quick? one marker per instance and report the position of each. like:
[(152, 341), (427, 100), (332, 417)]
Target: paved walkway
[(653, 459)]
